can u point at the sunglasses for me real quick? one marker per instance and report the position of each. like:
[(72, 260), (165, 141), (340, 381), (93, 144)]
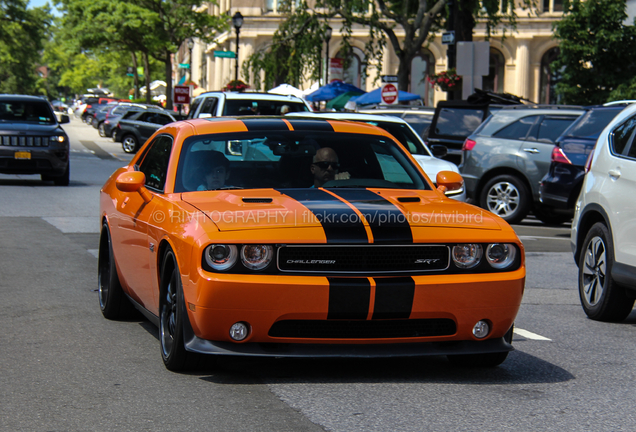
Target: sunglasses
[(324, 165)]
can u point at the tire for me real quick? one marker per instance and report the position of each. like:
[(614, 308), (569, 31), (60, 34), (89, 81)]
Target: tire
[(549, 217), (112, 300), (506, 196), (173, 352), (65, 178), (482, 360), (101, 130), (129, 144), (94, 122), (113, 135), (601, 298)]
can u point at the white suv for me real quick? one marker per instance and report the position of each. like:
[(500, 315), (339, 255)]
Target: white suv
[(604, 226), (217, 104)]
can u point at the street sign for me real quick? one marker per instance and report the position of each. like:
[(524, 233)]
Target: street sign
[(389, 94), (225, 54), (448, 38), (130, 71), (389, 78), (181, 94), (184, 66)]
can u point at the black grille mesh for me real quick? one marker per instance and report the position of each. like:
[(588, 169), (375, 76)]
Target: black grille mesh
[(24, 141), (359, 329), (371, 259)]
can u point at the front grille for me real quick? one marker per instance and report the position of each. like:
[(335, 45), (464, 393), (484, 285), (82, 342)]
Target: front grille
[(24, 141), (358, 329), (363, 259)]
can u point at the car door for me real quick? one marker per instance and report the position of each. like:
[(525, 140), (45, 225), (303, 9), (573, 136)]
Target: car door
[(535, 151), (131, 235), (618, 190)]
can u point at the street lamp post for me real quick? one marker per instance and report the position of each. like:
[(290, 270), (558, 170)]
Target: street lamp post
[(328, 31), (190, 43), (237, 20)]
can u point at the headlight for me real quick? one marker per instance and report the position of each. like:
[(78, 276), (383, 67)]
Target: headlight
[(256, 257), (221, 257), (467, 255), (500, 255), (57, 138)]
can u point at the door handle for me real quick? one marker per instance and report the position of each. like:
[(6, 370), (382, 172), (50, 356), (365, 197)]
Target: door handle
[(614, 174), (531, 150)]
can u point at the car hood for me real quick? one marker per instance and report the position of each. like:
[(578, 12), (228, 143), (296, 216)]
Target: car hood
[(389, 213), (29, 127), (432, 165)]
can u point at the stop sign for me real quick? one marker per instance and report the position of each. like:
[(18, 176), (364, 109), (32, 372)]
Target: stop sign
[(389, 94)]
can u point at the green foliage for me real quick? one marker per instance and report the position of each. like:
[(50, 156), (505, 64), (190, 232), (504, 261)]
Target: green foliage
[(297, 45), (593, 41), (22, 32)]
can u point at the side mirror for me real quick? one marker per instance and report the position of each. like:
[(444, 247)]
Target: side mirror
[(205, 115), (133, 182), (439, 150), (64, 118), (449, 181)]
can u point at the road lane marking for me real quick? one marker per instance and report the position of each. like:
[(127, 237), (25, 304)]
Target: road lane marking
[(529, 335), (97, 150)]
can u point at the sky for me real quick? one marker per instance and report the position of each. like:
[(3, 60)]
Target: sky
[(38, 3)]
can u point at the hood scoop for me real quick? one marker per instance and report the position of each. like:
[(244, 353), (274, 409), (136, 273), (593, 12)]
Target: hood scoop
[(257, 200), (408, 199)]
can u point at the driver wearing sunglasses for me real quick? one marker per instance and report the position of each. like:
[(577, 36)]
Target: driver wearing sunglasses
[(325, 167)]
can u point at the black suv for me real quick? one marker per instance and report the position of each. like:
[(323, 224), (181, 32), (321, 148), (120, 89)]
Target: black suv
[(31, 139), (454, 121), (136, 126)]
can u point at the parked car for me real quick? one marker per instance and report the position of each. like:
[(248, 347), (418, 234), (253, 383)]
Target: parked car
[(259, 263), (216, 104), (561, 185), (604, 227), (32, 140), (418, 117), (135, 127), (90, 112), (109, 126), (504, 160), (404, 133)]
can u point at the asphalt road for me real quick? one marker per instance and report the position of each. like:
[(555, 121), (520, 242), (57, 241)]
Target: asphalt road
[(63, 367)]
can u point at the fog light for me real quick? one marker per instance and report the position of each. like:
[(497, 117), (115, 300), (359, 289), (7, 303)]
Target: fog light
[(239, 331), (480, 330)]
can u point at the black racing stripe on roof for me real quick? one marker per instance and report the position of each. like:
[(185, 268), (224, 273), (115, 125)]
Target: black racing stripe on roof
[(388, 224), (315, 125), (349, 298), (341, 224), (393, 298), (265, 124)]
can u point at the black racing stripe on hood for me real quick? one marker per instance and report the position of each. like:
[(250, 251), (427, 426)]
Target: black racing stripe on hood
[(349, 298), (341, 224), (388, 224), (315, 125), (265, 124), (393, 298)]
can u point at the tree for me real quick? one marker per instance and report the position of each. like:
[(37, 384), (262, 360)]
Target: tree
[(593, 41), (22, 33), (301, 35)]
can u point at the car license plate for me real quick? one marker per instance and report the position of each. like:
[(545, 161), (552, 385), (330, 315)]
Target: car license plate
[(22, 155)]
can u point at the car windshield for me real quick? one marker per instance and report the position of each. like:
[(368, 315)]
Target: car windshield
[(458, 122), (419, 122), (592, 123), (293, 159), (404, 135), (242, 107), (19, 111)]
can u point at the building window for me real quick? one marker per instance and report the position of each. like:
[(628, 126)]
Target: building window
[(549, 77), (495, 80), (553, 5), (353, 72), (423, 65)]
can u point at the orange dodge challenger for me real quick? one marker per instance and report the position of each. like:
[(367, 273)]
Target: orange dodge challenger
[(296, 237)]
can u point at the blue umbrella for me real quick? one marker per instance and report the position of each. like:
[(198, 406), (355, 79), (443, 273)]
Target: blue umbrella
[(332, 90), (373, 97)]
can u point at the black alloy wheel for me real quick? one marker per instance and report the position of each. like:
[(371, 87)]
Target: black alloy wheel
[(601, 298)]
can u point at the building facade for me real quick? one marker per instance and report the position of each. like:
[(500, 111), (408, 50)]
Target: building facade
[(519, 59)]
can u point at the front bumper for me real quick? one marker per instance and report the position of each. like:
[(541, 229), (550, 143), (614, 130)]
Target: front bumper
[(215, 302), (43, 160)]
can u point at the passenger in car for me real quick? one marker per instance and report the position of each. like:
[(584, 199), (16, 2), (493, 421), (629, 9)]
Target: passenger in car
[(216, 168)]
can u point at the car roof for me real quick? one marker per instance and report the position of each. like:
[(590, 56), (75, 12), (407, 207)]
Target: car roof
[(24, 98), (402, 109), (252, 96), (348, 116)]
